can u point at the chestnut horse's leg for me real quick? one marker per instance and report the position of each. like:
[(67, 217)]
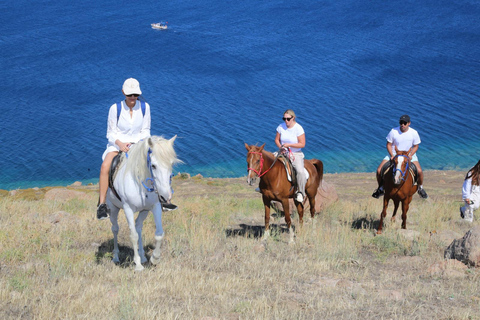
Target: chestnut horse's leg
[(288, 218), (266, 203), (396, 203), (405, 205), (300, 211), (311, 199), (383, 214)]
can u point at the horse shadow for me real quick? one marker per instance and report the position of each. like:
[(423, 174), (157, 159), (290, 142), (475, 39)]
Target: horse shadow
[(255, 231), (365, 223), (125, 254)]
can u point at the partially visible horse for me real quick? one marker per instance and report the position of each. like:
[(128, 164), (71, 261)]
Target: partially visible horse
[(274, 184), (142, 178), (400, 187)]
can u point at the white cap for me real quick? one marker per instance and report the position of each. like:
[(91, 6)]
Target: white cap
[(131, 86)]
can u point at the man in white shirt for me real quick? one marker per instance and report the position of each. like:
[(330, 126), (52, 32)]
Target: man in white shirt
[(403, 138)]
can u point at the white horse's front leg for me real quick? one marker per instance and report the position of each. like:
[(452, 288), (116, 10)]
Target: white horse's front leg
[(115, 228), (157, 215), (133, 236), (138, 226)]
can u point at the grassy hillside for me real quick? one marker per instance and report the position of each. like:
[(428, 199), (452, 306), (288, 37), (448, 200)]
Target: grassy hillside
[(55, 257)]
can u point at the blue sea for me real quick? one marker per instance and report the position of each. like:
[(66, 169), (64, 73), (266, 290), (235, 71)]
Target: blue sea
[(225, 71)]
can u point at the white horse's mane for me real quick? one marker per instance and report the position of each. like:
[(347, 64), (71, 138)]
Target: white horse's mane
[(162, 151)]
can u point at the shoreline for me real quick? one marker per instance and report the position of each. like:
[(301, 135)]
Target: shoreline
[(345, 180)]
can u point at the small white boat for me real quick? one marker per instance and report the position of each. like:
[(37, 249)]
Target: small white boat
[(159, 25)]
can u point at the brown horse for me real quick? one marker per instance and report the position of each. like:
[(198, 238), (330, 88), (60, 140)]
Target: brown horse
[(400, 187), (274, 184)]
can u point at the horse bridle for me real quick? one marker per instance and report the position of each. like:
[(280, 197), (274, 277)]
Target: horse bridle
[(406, 167), (259, 172), (149, 164)]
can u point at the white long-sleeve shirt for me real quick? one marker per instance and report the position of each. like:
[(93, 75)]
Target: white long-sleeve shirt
[(128, 129), (468, 189)]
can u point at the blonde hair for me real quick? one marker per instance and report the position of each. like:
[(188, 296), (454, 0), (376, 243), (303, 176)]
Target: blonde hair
[(290, 112)]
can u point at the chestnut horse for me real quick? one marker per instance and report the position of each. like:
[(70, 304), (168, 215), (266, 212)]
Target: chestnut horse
[(400, 187), (274, 184)]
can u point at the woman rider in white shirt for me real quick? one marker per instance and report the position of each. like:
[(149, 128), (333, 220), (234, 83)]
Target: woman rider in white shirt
[(471, 193), (291, 135), (131, 127)]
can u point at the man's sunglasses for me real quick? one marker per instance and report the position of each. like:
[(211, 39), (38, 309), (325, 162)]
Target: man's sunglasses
[(287, 119), (132, 95)]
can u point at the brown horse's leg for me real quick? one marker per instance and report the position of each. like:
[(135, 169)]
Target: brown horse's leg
[(396, 203), (405, 205), (266, 203), (300, 211), (383, 214), (311, 199), (288, 218)]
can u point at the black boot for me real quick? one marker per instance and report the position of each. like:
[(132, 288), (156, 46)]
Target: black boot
[(102, 211), (377, 193), (167, 206)]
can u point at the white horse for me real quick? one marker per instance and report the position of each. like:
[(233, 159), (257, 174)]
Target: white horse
[(142, 177)]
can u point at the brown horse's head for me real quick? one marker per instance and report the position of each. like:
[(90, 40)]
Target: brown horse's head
[(401, 166), (254, 162)]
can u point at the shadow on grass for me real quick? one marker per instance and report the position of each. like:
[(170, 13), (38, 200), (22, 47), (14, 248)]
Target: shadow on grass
[(125, 254), (365, 223), (255, 231)]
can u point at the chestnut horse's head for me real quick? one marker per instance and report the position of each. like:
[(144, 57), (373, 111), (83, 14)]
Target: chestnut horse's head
[(254, 162), (401, 166)]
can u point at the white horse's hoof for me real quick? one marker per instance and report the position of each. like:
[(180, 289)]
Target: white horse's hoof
[(139, 268), (154, 260)]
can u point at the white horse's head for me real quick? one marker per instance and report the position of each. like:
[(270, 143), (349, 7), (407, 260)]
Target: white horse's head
[(151, 161)]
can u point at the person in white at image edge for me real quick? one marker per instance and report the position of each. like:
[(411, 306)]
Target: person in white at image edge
[(471, 193)]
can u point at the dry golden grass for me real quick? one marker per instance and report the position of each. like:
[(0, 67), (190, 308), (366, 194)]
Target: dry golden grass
[(55, 258)]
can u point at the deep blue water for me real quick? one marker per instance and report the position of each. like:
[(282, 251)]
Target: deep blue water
[(224, 72)]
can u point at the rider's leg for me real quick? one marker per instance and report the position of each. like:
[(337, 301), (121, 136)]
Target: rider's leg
[(420, 174), (103, 182), (421, 191), (103, 185), (379, 173), (299, 165), (379, 191)]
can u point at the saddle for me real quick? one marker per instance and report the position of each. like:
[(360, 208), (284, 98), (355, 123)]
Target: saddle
[(113, 170), (387, 167), (291, 171)]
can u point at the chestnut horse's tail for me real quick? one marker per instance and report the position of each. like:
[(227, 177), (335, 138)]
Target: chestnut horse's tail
[(319, 166)]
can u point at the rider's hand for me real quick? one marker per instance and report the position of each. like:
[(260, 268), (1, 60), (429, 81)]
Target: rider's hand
[(124, 146)]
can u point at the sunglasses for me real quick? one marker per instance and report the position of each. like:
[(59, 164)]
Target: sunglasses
[(287, 119), (403, 122), (132, 95)]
